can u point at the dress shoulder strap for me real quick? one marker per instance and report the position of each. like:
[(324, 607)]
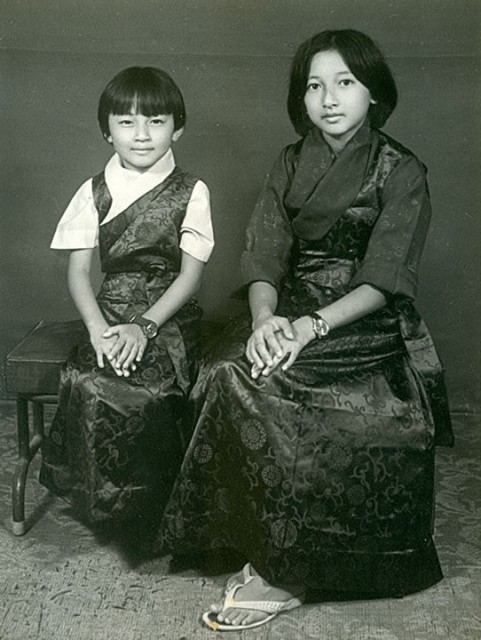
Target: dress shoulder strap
[(101, 194)]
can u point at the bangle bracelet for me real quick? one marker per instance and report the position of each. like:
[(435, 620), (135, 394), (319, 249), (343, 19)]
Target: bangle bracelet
[(319, 326)]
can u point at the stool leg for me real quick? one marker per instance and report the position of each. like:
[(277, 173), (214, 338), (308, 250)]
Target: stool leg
[(38, 428), (20, 478)]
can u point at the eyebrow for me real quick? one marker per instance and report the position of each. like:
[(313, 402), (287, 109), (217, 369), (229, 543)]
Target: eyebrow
[(339, 73)]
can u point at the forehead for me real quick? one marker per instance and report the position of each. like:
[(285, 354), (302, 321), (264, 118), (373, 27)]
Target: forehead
[(328, 63)]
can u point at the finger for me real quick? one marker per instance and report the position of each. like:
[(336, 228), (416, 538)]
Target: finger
[(286, 328), (255, 371), (100, 358), (274, 344), (116, 349), (111, 331), (129, 362), (123, 355), (252, 354), (140, 353), (290, 360), (269, 369)]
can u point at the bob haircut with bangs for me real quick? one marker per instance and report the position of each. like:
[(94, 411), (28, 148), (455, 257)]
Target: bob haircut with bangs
[(141, 90), (365, 61)]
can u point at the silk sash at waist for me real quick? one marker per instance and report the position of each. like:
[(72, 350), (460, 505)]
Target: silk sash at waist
[(333, 273)]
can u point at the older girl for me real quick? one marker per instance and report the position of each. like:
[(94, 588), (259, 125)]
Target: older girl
[(313, 455)]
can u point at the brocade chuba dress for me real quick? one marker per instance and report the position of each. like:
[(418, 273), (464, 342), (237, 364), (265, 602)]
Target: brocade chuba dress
[(116, 444), (323, 475)]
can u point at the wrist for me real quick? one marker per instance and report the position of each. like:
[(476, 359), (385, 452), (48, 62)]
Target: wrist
[(96, 327), (149, 327), (304, 327), (260, 317)]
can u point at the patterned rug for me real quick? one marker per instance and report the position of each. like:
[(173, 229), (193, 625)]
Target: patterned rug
[(63, 581)]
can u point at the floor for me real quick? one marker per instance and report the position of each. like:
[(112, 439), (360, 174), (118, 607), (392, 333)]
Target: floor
[(62, 581)]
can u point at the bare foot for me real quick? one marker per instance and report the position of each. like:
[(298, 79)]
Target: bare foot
[(254, 589), (239, 577)]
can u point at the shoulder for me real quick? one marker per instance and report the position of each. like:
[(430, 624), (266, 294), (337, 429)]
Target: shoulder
[(394, 155), (290, 153), (184, 178), (83, 193), (196, 188), (284, 166)]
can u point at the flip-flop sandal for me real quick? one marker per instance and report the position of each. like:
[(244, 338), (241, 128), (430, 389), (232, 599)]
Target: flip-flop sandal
[(272, 608)]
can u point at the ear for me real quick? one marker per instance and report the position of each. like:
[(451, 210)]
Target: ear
[(176, 135), (108, 138), (373, 101)]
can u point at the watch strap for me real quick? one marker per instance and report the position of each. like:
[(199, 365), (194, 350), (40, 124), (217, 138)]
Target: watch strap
[(149, 327)]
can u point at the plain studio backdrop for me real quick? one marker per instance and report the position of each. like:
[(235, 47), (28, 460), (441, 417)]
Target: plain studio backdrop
[(231, 59)]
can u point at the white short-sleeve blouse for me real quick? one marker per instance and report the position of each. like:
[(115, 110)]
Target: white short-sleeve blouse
[(78, 227)]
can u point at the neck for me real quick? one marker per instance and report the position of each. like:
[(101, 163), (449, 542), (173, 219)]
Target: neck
[(338, 144)]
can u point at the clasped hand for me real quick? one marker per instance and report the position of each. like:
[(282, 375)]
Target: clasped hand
[(123, 345), (276, 341)]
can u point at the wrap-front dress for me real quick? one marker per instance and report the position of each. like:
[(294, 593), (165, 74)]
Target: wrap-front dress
[(323, 475), (116, 444)]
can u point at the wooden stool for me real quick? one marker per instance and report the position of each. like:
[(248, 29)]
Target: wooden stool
[(33, 374)]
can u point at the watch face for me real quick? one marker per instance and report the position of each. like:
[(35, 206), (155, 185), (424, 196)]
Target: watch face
[(148, 326), (150, 329)]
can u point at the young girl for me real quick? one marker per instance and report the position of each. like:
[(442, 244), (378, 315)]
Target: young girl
[(118, 439), (314, 448)]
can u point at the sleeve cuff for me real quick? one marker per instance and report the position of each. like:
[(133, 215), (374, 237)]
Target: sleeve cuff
[(67, 238), (261, 267), (195, 245), (395, 281)]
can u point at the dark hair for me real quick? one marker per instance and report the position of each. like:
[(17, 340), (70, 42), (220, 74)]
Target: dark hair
[(365, 61), (148, 90)]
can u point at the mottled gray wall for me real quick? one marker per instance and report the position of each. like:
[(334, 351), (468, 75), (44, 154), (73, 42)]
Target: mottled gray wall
[(231, 59)]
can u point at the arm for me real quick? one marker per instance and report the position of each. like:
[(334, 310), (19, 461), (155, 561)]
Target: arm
[(354, 305), (391, 261), (263, 346), (270, 343), (80, 287), (131, 342)]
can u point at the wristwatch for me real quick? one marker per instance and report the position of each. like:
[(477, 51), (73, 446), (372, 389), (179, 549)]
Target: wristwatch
[(149, 327), (319, 326)]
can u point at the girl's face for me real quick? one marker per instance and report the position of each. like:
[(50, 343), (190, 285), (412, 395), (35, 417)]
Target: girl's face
[(141, 140), (336, 102)]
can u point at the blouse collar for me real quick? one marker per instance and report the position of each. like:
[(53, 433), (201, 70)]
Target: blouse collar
[(126, 186)]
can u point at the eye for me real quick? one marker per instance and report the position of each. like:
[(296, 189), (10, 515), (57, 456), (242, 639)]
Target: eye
[(346, 82), (158, 121), (313, 86), (125, 122)]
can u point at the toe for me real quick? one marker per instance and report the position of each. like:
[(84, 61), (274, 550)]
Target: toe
[(238, 619)]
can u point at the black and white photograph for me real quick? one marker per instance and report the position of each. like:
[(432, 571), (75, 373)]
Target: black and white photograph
[(240, 385)]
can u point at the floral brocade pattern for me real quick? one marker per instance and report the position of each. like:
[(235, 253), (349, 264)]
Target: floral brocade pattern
[(116, 444), (322, 475)]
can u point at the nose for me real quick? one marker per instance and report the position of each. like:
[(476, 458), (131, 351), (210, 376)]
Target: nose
[(329, 97), (142, 131)]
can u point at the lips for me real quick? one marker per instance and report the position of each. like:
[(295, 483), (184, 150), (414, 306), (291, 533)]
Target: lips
[(329, 116)]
